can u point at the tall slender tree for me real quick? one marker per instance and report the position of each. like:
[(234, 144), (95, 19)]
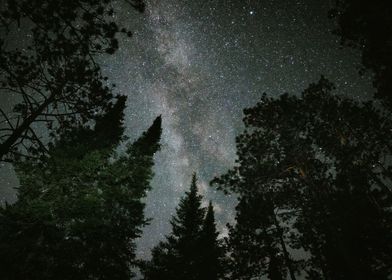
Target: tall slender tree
[(211, 250)]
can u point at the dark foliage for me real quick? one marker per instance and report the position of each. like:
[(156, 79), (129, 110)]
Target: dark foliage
[(210, 249), (320, 166), (255, 243), (367, 25), (53, 76), (192, 250), (79, 209)]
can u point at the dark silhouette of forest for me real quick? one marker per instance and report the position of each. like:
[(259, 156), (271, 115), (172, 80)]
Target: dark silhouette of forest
[(192, 250), (313, 174)]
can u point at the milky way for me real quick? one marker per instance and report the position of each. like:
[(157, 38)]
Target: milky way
[(199, 64)]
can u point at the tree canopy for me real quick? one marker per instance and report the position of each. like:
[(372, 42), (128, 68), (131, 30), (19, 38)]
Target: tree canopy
[(79, 210), (367, 26), (53, 77), (318, 165)]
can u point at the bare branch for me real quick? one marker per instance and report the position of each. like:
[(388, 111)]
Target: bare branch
[(6, 118)]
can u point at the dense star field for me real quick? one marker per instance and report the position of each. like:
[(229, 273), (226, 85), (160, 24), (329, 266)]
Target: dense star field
[(199, 64), (195, 140)]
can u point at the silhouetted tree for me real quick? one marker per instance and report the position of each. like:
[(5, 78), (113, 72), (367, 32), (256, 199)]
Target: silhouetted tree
[(322, 162), (53, 76), (211, 250), (367, 26), (79, 209), (192, 250), (254, 242)]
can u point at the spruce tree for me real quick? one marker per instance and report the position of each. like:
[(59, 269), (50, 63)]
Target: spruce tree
[(186, 229), (211, 250), (79, 209), (192, 250)]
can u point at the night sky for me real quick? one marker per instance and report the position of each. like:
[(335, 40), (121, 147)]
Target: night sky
[(199, 64)]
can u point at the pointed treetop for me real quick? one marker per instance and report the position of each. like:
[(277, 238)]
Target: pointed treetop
[(192, 195), (193, 188), (190, 214), (192, 251), (211, 250), (210, 210), (209, 221), (148, 143), (153, 133)]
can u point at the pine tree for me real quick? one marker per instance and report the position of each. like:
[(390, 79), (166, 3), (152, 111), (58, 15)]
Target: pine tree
[(320, 160), (192, 250), (255, 243), (56, 75), (79, 209), (186, 229)]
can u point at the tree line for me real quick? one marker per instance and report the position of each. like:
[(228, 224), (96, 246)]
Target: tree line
[(313, 172)]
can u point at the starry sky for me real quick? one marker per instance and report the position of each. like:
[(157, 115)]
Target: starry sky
[(199, 64)]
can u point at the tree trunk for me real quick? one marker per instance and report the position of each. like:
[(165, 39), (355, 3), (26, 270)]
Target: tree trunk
[(286, 254)]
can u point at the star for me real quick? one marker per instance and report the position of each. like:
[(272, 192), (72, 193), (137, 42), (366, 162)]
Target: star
[(199, 66)]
